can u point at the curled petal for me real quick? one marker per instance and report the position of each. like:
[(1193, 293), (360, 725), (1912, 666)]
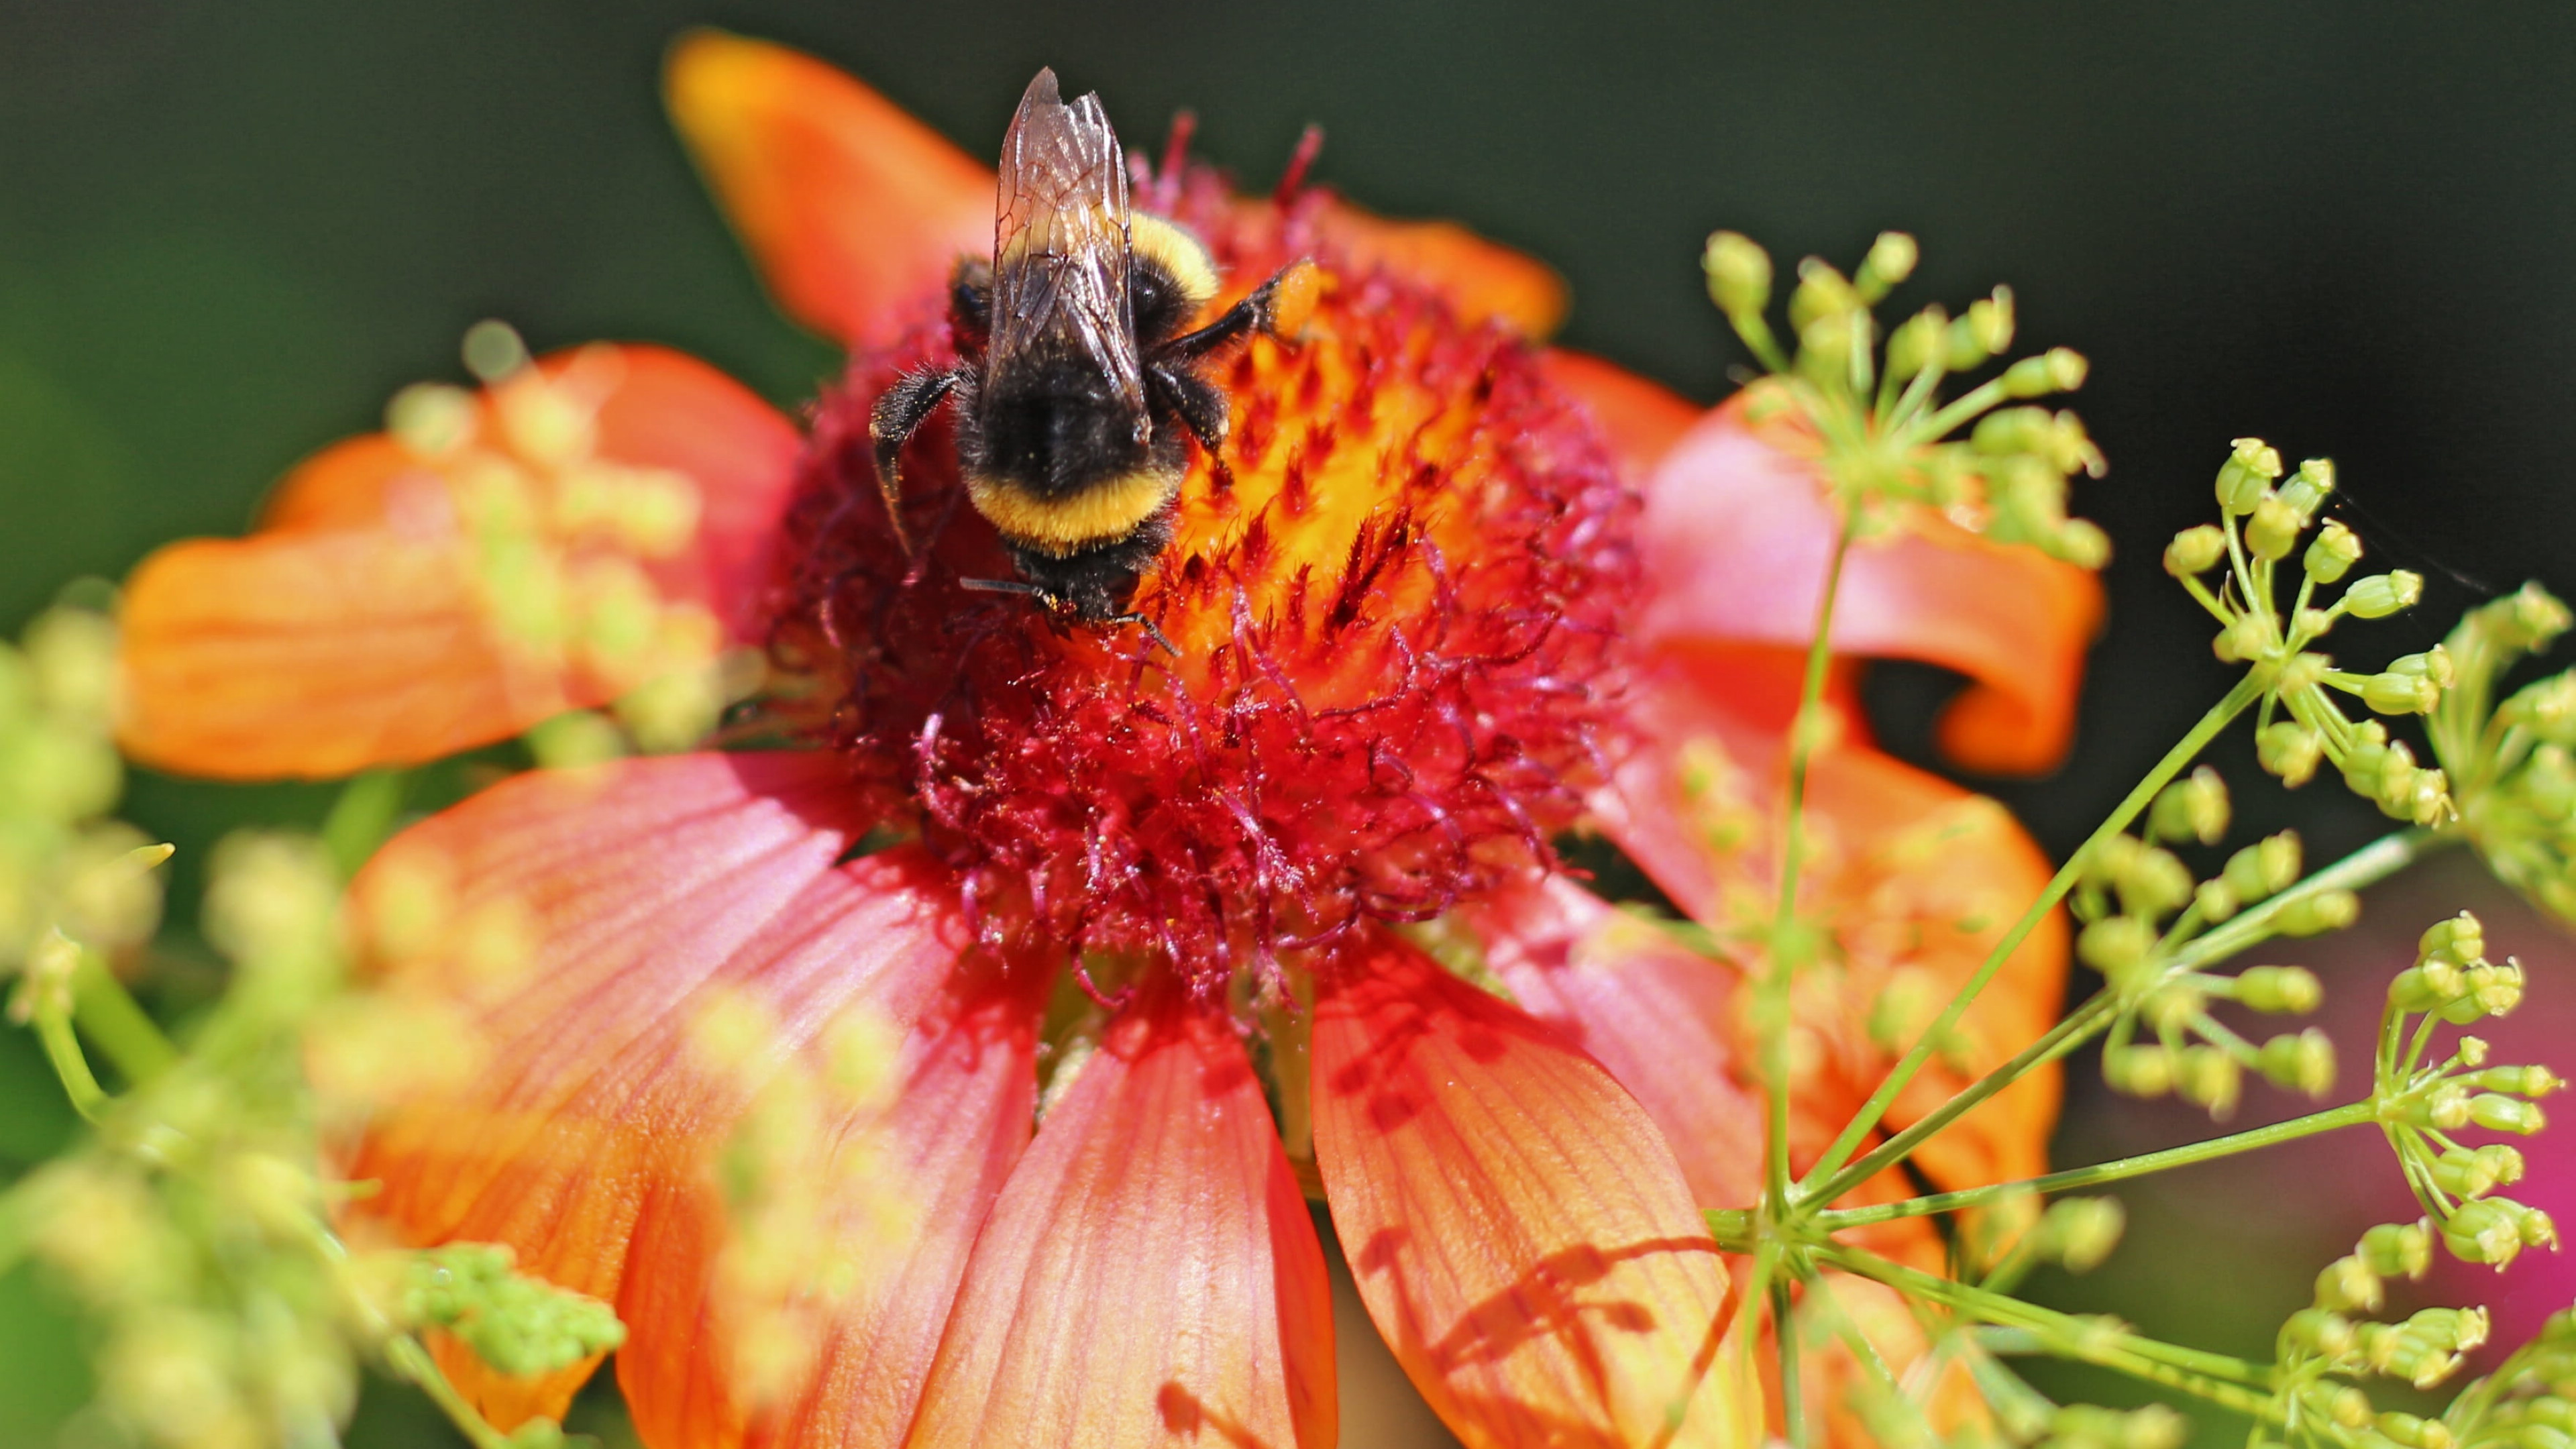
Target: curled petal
[(854, 211), (1150, 1275), (368, 622), (1737, 538), (1642, 418), (1517, 1226), (1484, 280), (628, 962), (1914, 879)]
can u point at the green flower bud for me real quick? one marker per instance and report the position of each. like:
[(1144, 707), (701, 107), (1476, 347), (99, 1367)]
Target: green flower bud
[(2345, 1404), (2276, 862), (2307, 489), (2400, 694), (2499, 1113), (1916, 344), (2347, 1285), (537, 1434), (2335, 551), (1985, 332), (1739, 274), (2497, 990), (2433, 664), (2425, 988), (2459, 939), (2290, 750), (2283, 989), (2313, 623), (2329, 910), (2319, 1331), (2247, 475), (2215, 900), (2275, 527), (2302, 671), (2081, 1231), (2143, 1071), (1822, 295), (2115, 945), (2445, 1107), (2398, 1249), (2152, 1426), (2193, 808), (2246, 638), (2381, 595), (1890, 261), (2543, 1436), (2460, 1173), (2195, 551), (2524, 1081), (2500, 1161), (2059, 369), (2415, 1433), (2209, 1077), (2303, 1063), (2538, 1230), (2152, 883)]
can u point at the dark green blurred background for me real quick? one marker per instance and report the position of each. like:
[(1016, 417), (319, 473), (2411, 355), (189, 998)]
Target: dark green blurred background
[(228, 231)]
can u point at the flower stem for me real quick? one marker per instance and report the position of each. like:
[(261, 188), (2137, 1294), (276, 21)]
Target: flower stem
[(111, 1019), (2212, 1376), (2376, 861), (412, 1363), (1785, 950), (1856, 1131), (2351, 1114)]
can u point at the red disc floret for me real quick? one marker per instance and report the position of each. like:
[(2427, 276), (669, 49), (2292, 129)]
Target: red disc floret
[(1395, 597)]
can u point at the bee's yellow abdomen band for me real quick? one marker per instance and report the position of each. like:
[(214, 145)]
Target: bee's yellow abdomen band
[(1098, 514), (1177, 252)]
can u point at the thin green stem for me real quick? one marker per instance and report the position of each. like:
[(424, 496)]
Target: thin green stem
[(1786, 950), (2373, 862), (2352, 1114), (2215, 1377), (111, 1019), (2181, 755), (411, 1362), (53, 1025), (1793, 1394)]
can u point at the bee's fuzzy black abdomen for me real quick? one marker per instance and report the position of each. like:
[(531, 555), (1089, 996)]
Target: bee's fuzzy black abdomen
[(1096, 583)]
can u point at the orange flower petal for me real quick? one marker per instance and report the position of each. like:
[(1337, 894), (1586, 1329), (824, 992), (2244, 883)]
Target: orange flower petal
[(854, 211), (1918, 879), (1150, 1275), (353, 631), (1518, 1228), (1737, 538), (1484, 280), (581, 934), (1642, 418)]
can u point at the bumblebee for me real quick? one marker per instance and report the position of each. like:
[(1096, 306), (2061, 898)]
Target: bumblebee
[(1077, 391)]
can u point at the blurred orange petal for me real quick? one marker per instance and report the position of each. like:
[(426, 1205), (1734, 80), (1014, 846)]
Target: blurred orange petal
[(1914, 878), (1448, 1125), (1737, 537), (359, 626), (1484, 280), (1642, 418), (1150, 1274), (585, 930), (854, 211)]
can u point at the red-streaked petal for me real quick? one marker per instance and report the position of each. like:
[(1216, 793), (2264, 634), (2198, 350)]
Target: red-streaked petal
[(1913, 875), (854, 211), (1737, 537), (353, 629), (1518, 1228), (1150, 1275), (1647, 1008), (581, 929), (1642, 418), (1484, 280)]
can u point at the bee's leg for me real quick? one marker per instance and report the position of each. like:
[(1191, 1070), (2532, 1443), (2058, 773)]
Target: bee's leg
[(1151, 631), (1279, 307), (1199, 403), (900, 411)]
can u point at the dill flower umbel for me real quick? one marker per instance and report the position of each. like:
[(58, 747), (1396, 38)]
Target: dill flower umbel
[(1279, 911)]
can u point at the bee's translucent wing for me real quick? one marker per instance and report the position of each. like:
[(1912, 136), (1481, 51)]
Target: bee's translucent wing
[(1060, 251)]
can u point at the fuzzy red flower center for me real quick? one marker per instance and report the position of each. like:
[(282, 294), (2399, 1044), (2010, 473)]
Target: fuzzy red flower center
[(1394, 595)]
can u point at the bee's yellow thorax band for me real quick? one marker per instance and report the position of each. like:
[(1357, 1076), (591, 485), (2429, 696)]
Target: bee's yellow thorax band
[(1177, 252), (1098, 514)]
